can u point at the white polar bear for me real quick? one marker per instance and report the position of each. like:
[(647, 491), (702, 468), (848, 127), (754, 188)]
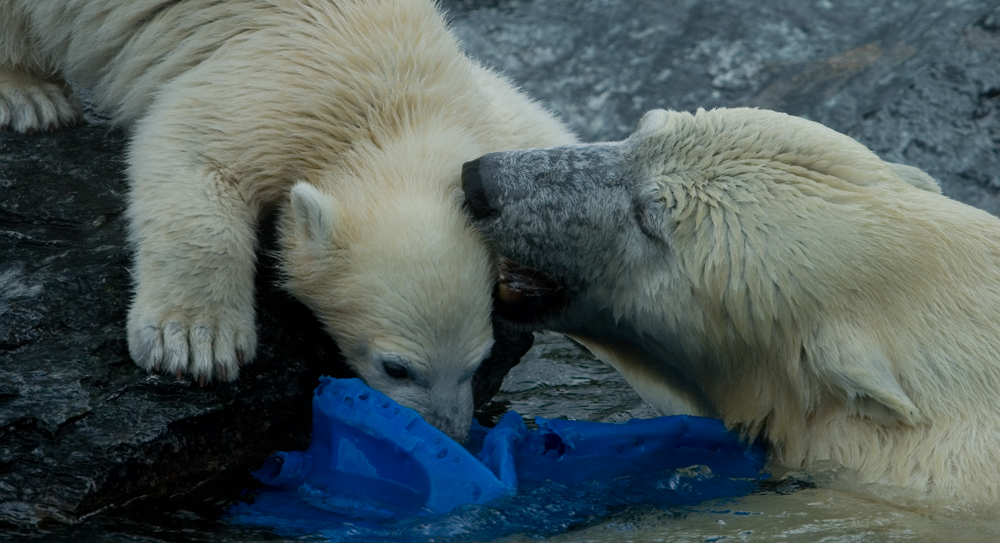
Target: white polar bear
[(352, 117), (764, 269)]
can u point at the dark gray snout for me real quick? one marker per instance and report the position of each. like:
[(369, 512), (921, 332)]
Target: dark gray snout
[(476, 200), (495, 182), (556, 216), (497, 189)]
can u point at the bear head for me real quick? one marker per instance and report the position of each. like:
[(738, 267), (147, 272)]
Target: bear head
[(403, 284), (568, 223), (709, 251)]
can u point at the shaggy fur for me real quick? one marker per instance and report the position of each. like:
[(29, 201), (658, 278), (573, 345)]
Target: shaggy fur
[(352, 117), (767, 270)]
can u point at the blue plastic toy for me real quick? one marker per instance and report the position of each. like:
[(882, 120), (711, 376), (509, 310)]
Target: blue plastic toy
[(379, 455), (375, 461)]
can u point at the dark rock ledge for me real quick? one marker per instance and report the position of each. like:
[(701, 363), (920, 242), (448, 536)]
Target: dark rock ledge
[(81, 427)]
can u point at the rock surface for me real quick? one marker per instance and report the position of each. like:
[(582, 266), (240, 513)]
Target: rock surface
[(82, 429), (918, 82)]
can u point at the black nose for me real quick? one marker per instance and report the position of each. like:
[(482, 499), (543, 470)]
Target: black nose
[(475, 195)]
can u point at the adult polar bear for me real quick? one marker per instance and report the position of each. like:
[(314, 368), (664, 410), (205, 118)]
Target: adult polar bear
[(353, 117), (764, 269)]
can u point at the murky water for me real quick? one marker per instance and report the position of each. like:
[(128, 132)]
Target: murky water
[(557, 379)]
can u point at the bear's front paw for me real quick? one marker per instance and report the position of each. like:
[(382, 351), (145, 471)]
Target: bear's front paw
[(29, 104), (206, 348)]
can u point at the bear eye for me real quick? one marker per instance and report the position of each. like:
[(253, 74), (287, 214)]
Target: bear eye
[(395, 370)]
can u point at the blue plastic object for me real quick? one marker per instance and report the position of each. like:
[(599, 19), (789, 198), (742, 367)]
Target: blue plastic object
[(376, 468), (378, 455)]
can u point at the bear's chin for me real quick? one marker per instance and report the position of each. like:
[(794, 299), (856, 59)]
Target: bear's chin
[(527, 296)]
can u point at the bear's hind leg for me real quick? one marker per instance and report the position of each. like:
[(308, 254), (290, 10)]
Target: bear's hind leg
[(31, 102), (194, 238)]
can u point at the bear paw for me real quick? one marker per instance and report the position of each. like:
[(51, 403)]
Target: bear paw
[(181, 346), (29, 104)]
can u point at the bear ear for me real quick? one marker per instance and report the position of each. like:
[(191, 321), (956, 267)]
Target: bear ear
[(915, 176), (653, 121), (313, 213)]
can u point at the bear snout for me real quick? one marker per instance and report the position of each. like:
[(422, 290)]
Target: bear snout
[(476, 200)]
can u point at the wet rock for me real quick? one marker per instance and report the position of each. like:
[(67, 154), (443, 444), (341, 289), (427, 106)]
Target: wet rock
[(83, 430), (81, 427)]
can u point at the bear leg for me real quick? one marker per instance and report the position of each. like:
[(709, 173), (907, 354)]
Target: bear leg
[(31, 102), (194, 238)]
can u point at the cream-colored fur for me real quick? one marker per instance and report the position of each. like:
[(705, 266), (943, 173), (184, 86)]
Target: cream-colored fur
[(825, 305), (764, 269), (370, 106)]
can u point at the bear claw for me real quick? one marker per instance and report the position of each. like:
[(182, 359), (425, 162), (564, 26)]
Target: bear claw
[(203, 352)]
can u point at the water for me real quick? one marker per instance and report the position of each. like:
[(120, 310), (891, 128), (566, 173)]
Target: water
[(557, 379)]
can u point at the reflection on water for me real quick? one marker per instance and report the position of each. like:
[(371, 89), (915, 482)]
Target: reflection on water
[(817, 515), (811, 515), (557, 379)]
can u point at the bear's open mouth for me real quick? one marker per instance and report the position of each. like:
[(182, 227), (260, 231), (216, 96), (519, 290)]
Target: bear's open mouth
[(527, 295)]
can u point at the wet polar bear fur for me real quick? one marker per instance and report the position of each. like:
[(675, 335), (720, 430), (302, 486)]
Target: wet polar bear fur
[(764, 269), (351, 117)]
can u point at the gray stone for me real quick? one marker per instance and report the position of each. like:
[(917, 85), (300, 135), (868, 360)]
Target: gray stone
[(916, 81)]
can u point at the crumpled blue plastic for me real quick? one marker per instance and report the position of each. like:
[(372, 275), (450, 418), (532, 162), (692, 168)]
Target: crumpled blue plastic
[(375, 469)]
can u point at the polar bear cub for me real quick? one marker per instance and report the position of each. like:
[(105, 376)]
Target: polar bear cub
[(764, 269), (351, 117)]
